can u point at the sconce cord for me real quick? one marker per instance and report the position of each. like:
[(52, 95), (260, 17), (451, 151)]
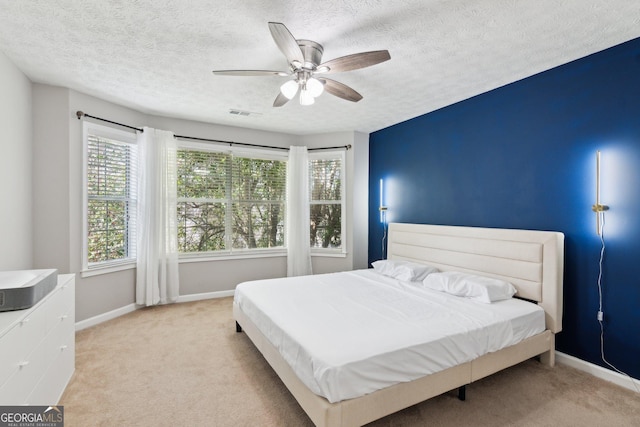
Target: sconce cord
[(600, 319)]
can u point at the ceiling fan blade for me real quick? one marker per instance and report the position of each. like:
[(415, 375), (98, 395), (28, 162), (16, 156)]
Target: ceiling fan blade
[(250, 73), (280, 100), (340, 90), (286, 42), (355, 61)]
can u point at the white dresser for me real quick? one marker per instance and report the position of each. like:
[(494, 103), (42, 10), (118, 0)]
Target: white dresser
[(37, 348)]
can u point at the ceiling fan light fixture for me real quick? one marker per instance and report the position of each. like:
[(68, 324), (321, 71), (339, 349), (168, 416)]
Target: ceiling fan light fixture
[(289, 89), (315, 87), (305, 60)]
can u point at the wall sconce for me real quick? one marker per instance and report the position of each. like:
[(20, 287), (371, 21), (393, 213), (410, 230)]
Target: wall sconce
[(383, 219), (382, 208), (598, 208)]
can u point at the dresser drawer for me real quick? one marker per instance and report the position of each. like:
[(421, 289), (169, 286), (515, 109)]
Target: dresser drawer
[(63, 337), (19, 342), (26, 375), (50, 388), (61, 303)]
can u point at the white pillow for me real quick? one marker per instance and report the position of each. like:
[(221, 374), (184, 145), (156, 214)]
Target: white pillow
[(403, 270), (480, 288)]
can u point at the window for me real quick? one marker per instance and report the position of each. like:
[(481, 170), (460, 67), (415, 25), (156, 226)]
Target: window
[(326, 181), (230, 200), (110, 195)]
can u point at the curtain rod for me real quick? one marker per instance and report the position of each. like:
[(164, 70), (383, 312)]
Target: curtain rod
[(81, 114)]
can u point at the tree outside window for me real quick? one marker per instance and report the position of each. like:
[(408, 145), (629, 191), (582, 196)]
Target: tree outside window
[(326, 192), (229, 201), (110, 199)]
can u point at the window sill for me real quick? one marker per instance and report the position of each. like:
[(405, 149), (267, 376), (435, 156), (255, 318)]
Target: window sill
[(329, 254), (231, 256), (111, 268)]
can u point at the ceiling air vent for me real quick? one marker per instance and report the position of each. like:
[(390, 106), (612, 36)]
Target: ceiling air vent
[(239, 112)]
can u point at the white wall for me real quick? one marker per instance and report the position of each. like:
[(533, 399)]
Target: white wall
[(51, 163), (15, 168), (58, 137)]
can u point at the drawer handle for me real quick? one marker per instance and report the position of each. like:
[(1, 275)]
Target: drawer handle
[(64, 316), (23, 364), (63, 347), (24, 321)]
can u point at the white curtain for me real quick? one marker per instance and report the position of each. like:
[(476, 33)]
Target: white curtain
[(297, 222), (157, 249)]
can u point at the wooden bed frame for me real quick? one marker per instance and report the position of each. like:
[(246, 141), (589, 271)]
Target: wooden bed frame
[(532, 261)]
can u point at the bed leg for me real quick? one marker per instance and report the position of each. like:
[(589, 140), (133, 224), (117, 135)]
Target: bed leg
[(549, 357), (462, 393), (238, 327)]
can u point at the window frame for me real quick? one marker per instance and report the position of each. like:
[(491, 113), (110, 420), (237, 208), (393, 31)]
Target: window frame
[(129, 260), (229, 252), (332, 155)]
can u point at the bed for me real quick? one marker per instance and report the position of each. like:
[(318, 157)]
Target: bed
[(530, 260)]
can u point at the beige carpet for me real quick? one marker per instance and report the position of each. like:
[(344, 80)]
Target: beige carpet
[(184, 365)]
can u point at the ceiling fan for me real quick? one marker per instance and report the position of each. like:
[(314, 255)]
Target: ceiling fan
[(308, 72)]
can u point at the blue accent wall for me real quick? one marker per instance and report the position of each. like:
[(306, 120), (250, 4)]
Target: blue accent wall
[(524, 156)]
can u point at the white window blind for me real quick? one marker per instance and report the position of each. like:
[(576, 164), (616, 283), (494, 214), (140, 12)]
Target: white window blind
[(326, 181), (258, 202), (230, 201), (111, 175)]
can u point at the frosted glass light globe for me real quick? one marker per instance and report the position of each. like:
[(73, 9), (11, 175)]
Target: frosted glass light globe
[(306, 98), (289, 89), (315, 87)]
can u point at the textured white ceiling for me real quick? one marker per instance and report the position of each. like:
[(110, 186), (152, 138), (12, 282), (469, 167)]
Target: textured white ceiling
[(156, 56)]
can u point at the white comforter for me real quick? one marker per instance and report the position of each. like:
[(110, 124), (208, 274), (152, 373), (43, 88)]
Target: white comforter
[(351, 333)]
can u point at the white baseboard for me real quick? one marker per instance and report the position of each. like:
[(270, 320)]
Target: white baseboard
[(598, 371), (96, 320), (207, 295)]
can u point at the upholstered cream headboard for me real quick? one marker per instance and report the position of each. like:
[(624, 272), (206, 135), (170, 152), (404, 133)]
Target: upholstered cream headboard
[(533, 261)]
